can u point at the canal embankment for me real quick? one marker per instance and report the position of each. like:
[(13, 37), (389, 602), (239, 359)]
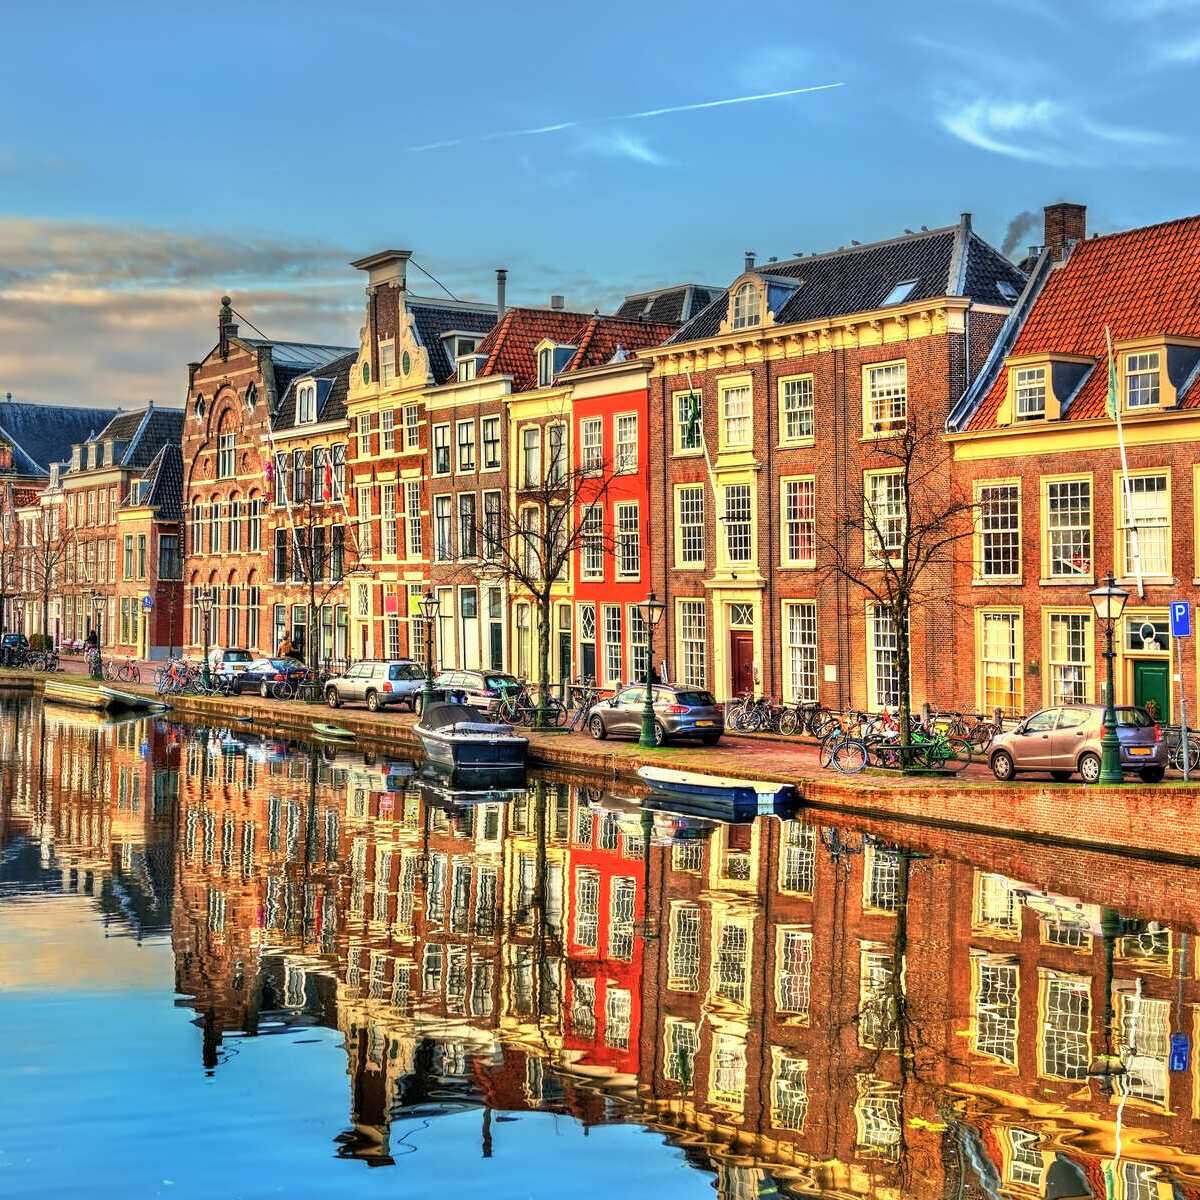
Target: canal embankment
[(1160, 822)]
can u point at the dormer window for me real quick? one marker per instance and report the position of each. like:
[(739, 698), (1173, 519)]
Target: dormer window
[(463, 346), (1030, 393), (552, 358), (546, 366), (900, 292), (306, 404), (1008, 293), (469, 366), (1142, 372), (746, 306)]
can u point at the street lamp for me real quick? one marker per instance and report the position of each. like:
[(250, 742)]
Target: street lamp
[(1109, 603), (205, 601), (651, 611), (430, 605), (98, 607)]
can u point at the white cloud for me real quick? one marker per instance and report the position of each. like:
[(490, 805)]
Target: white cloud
[(1186, 51), (619, 144)]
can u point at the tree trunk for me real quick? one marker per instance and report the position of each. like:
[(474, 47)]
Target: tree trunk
[(903, 674), (544, 610)]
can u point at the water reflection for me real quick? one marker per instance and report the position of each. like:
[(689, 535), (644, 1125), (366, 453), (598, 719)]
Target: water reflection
[(832, 1010)]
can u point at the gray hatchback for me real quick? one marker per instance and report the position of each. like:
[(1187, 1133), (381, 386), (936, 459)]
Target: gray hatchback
[(679, 712), (1066, 739), (377, 683)]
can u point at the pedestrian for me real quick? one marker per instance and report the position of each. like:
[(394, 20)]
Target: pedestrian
[(286, 648), (91, 654)]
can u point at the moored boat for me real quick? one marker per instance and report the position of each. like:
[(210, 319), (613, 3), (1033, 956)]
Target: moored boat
[(461, 738), (718, 796), (131, 700)]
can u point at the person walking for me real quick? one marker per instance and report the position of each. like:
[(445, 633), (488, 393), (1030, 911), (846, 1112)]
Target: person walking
[(91, 654)]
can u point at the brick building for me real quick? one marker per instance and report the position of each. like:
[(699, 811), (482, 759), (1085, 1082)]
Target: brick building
[(1035, 442), (797, 368)]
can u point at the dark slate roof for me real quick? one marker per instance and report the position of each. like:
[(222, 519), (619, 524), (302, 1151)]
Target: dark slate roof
[(672, 305), (432, 319), (333, 383), (42, 434), (160, 485), (951, 261), (143, 434), (290, 360)]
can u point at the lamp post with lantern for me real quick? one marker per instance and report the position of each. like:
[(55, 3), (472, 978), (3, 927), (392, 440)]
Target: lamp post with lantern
[(95, 665), (651, 611), (1109, 602), (430, 606), (205, 601)]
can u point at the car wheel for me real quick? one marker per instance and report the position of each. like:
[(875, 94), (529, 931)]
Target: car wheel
[(1003, 766), (711, 739), (660, 734), (264, 691), (1060, 776), (1089, 767), (1152, 774), (373, 701), (597, 728), (332, 698)]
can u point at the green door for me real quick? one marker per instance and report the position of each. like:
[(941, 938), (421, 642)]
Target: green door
[(1152, 683)]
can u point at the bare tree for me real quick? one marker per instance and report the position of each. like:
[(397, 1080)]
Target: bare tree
[(47, 548), (901, 529)]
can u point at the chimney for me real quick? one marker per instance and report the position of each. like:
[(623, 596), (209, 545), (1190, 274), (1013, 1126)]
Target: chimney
[(385, 267), (557, 302), (964, 222), (501, 282), (1066, 224), (225, 325), (749, 260), (192, 369)]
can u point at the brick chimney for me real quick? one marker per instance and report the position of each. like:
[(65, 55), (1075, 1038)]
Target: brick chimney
[(1066, 224), (226, 328)]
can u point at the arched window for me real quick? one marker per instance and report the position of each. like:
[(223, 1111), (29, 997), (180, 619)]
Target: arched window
[(251, 397), (199, 408), (234, 540), (745, 306)]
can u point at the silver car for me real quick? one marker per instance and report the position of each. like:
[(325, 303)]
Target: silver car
[(377, 683), (679, 712)]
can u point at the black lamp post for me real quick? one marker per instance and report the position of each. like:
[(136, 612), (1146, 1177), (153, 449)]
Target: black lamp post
[(98, 610), (205, 601), (1109, 603), (651, 610), (430, 605)]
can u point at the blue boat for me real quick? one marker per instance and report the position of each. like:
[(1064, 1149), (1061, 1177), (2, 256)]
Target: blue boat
[(717, 796)]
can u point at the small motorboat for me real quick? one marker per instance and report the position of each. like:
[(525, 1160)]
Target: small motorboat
[(716, 796), (332, 733), (460, 738), (455, 792)]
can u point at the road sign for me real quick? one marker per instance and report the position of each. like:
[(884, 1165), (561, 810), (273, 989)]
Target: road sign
[(1181, 618), (147, 602)]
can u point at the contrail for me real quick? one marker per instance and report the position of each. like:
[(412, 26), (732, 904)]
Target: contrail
[(559, 126)]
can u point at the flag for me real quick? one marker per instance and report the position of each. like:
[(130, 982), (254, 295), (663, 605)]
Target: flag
[(1114, 408), (268, 469)]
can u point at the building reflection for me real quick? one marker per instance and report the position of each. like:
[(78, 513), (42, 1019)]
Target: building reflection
[(803, 1009)]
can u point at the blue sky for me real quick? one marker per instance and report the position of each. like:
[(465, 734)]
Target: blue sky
[(153, 156)]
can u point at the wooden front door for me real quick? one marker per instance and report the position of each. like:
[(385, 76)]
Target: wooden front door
[(1152, 685), (741, 661)]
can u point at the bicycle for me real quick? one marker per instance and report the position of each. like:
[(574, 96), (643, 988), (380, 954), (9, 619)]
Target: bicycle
[(125, 671), (517, 706), (584, 696)]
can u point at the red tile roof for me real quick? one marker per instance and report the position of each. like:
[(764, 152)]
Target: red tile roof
[(510, 346), (604, 335), (1141, 283)]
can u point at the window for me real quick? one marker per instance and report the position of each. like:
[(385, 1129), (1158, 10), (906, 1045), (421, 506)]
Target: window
[(639, 644), (799, 521), (1065, 1043), (994, 1007), (413, 542), (587, 908), (736, 417), (620, 918), (884, 658), (877, 1117), (442, 549), (999, 507), (738, 524), (1141, 380), (1069, 528), (1068, 655), (728, 1086), (886, 396), (490, 427), (300, 477), (441, 449), (693, 639), (789, 1091), (877, 1024), (618, 1003), (612, 644), (1001, 669), (306, 403), (170, 564), (800, 629), (545, 366), (592, 542), (280, 557), (225, 455), (793, 971), (338, 473), (629, 545), (689, 519), (797, 858), (884, 516), (467, 526), (730, 978), (796, 409), (1030, 393), (681, 1041), (531, 456), (688, 433), (745, 306), (1146, 525), (387, 514), (626, 438), (1144, 1038), (591, 442), (387, 363), (528, 534), (466, 445), (583, 1008), (491, 524), (899, 293), (281, 476), (996, 908), (556, 468), (387, 429), (214, 528), (412, 426), (881, 878)]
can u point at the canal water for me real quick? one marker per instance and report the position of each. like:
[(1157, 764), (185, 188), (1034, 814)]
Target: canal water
[(237, 967)]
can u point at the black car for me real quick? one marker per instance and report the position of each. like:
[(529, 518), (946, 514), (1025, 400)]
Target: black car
[(260, 673), (13, 645)]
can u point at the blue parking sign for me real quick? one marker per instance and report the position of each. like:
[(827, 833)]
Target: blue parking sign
[(1181, 618)]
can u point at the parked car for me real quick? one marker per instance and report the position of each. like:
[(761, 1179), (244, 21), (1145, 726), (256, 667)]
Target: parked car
[(679, 712), (479, 689), (1066, 739), (377, 683), (229, 660), (258, 674)]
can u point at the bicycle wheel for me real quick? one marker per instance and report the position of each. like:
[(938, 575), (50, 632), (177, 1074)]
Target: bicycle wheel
[(829, 744), (283, 690), (850, 756), (959, 753), (790, 723), (822, 723), (883, 752), (130, 673)]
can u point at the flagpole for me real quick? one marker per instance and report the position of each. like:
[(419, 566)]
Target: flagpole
[(1114, 405)]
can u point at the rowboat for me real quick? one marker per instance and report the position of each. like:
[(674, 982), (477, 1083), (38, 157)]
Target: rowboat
[(715, 796), (131, 700), (332, 733)]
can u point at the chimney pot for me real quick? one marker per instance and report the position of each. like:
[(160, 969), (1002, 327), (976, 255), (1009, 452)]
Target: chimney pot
[(1065, 225), (965, 221), (749, 260), (501, 285)]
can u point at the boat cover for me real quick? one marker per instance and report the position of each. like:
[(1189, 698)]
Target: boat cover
[(460, 718)]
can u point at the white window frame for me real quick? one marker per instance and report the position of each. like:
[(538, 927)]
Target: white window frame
[(801, 649), (690, 533), (796, 410), (628, 537), (465, 454), (885, 397), (625, 443), (736, 406), (591, 444), (798, 510)]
